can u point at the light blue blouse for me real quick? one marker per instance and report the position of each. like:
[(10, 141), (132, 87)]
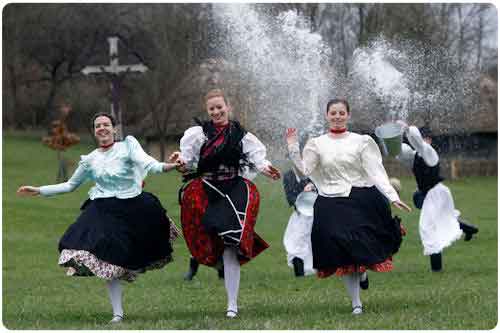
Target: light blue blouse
[(117, 172)]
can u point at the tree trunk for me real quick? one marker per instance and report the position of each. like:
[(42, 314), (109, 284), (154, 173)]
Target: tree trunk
[(361, 14), (345, 56), (444, 23), (461, 35), (10, 114), (163, 145), (480, 40), (50, 112), (62, 173)]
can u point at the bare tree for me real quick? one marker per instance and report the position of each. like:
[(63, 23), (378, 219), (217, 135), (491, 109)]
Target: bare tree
[(177, 49), (56, 40)]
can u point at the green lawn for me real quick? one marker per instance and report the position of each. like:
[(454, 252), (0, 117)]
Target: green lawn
[(38, 295)]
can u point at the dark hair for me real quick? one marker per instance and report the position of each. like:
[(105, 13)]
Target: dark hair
[(103, 114), (425, 131), (337, 101)]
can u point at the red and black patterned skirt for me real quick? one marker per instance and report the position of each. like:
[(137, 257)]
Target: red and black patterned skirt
[(217, 214)]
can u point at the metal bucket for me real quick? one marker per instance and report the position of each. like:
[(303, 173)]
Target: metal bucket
[(390, 136), (305, 203)]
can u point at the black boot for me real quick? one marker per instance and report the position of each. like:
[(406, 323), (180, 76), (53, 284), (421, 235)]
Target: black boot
[(364, 284), (193, 269), (468, 229), (220, 273), (436, 262), (298, 266)]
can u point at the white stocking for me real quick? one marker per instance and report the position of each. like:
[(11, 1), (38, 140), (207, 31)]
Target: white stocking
[(351, 282), (115, 296), (231, 277)]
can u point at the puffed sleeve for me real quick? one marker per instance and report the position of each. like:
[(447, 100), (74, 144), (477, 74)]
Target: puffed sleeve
[(255, 151), (190, 146), (140, 158), (406, 156), (371, 160), (80, 175), (309, 160), (424, 149)]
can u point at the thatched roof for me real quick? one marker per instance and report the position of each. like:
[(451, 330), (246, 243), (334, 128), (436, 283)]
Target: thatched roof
[(486, 118)]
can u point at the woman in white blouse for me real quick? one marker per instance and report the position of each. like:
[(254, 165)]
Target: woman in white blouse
[(121, 231), (440, 224), (353, 229), (219, 206)]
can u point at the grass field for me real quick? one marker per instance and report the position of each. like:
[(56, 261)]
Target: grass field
[(38, 295)]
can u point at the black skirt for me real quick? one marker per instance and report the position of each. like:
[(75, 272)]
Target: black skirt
[(221, 214), (131, 233), (355, 230)]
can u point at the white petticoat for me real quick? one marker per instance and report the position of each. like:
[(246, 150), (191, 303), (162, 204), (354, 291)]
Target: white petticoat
[(438, 225), (297, 241)]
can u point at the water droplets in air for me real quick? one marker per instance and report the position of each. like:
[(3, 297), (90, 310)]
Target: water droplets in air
[(283, 63), (287, 74)]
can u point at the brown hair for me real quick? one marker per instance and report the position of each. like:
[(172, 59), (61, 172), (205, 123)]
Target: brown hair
[(103, 114), (337, 101), (215, 93)]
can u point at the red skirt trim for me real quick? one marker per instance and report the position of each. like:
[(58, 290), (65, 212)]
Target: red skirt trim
[(385, 266), (207, 248)]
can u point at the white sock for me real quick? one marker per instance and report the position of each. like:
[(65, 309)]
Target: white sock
[(115, 296), (231, 277), (363, 276), (351, 282)]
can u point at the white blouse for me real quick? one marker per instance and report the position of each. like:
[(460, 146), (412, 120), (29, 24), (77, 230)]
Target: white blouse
[(336, 164), (117, 172), (194, 138), (425, 150)]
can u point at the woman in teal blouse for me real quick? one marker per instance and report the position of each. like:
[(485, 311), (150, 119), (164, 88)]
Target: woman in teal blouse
[(121, 231)]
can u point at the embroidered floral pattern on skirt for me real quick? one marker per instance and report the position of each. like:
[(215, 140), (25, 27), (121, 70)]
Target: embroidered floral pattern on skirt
[(385, 266), (84, 263)]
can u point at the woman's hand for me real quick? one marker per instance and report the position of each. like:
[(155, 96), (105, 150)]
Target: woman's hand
[(401, 205), (169, 166), (271, 172), (28, 191), (174, 156), (403, 125), (291, 136), (180, 164)]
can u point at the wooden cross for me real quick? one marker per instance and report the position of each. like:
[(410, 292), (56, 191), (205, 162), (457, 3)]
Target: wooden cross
[(113, 70)]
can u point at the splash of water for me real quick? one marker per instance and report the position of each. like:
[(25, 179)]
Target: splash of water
[(285, 66), (373, 67), (286, 71), (414, 82)]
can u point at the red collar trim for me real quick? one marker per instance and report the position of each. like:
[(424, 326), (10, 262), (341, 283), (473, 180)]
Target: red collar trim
[(338, 131), (220, 128), (107, 146)]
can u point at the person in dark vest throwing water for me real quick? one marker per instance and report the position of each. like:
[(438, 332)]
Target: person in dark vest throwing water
[(439, 224)]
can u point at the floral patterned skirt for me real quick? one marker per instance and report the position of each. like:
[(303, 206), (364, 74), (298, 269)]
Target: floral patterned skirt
[(84, 263)]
